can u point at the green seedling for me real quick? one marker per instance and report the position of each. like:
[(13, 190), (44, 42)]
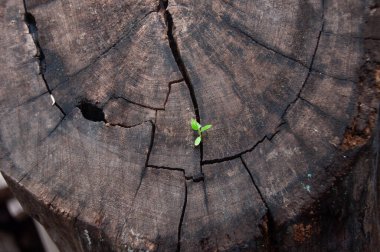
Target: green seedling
[(196, 126)]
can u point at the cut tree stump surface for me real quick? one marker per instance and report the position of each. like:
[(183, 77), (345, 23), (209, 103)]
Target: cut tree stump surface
[(111, 164)]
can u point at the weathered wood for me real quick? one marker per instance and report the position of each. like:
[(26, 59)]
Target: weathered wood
[(223, 83), (132, 114), (173, 141), (210, 221), (148, 228), (291, 89), (142, 58), (95, 34)]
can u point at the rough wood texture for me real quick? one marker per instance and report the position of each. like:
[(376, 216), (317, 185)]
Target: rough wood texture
[(173, 141), (291, 88), (210, 222)]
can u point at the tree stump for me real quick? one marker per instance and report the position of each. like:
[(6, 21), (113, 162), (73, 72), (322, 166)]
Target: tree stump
[(96, 102)]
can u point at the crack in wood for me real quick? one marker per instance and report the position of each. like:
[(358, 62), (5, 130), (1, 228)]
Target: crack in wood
[(32, 99), (176, 53), (147, 158), (266, 137), (142, 175), (125, 126), (184, 203), (93, 113), (155, 117), (196, 178), (290, 58), (266, 46), (170, 87), (162, 7), (168, 168), (126, 33), (293, 59), (310, 67), (331, 76), (319, 110), (22, 178), (175, 50), (33, 31), (49, 205), (132, 102), (271, 223), (114, 97), (177, 56), (54, 129), (182, 218)]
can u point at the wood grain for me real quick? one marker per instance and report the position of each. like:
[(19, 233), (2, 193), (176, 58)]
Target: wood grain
[(210, 222), (289, 86), (173, 145)]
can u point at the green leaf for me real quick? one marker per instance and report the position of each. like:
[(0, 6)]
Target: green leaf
[(197, 141), (194, 124), (206, 127)]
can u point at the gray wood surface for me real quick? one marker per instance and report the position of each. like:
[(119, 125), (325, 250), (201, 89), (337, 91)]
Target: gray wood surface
[(96, 101)]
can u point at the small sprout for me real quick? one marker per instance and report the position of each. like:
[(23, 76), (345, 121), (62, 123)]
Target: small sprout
[(206, 127), (196, 126), (197, 141)]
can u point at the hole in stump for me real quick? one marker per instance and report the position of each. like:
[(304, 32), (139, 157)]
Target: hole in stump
[(92, 112)]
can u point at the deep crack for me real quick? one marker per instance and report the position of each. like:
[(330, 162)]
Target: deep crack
[(33, 31), (162, 7), (181, 219), (175, 50), (220, 160), (147, 157), (177, 56)]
